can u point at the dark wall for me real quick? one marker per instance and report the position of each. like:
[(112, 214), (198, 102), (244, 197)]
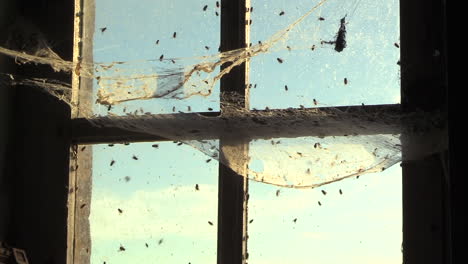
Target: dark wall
[(37, 160)]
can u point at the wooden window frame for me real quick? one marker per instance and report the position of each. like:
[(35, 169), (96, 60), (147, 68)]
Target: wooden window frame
[(425, 241)]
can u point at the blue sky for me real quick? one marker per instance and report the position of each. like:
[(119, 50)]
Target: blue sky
[(159, 200)]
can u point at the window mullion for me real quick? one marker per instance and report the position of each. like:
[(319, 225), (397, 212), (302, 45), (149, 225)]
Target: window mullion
[(232, 204)]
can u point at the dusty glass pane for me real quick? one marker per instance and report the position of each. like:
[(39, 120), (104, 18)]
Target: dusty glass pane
[(357, 220), (153, 203), (156, 41), (305, 68)]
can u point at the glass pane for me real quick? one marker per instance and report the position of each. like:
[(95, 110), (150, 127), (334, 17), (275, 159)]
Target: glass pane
[(357, 220), (157, 42), (153, 203), (305, 68)]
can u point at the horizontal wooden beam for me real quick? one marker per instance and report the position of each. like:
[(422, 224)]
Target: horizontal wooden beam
[(257, 124)]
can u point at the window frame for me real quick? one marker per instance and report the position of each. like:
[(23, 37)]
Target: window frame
[(233, 188)]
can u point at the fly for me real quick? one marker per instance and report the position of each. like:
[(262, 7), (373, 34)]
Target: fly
[(207, 48), (112, 162), (210, 109), (251, 221), (324, 192), (161, 57), (173, 109), (321, 18), (121, 248), (205, 7), (146, 244), (127, 178), (319, 203), (315, 102), (110, 145), (160, 241), (345, 81), (313, 47), (341, 192), (295, 220), (180, 143), (396, 45), (83, 148), (208, 160), (196, 187), (279, 60), (277, 193), (210, 223), (135, 157), (281, 13), (82, 206), (174, 35), (289, 48), (120, 210), (173, 61), (103, 29), (308, 171), (216, 13), (157, 42), (189, 108), (155, 146), (217, 4), (109, 107)]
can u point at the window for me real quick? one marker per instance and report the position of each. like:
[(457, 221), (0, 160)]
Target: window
[(232, 233)]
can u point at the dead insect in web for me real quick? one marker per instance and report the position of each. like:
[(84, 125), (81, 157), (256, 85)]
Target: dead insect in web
[(112, 162), (324, 192), (319, 203), (217, 4), (279, 60), (210, 109), (121, 248), (396, 45), (157, 42), (103, 29), (281, 13), (315, 102), (205, 7), (135, 157), (160, 241), (120, 210), (174, 35), (82, 206), (341, 192), (155, 146), (277, 193), (340, 42), (321, 18), (251, 220), (210, 223), (146, 244), (345, 81), (196, 187), (216, 13)]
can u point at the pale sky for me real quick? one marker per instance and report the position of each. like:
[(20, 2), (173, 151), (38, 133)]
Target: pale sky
[(158, 200)]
